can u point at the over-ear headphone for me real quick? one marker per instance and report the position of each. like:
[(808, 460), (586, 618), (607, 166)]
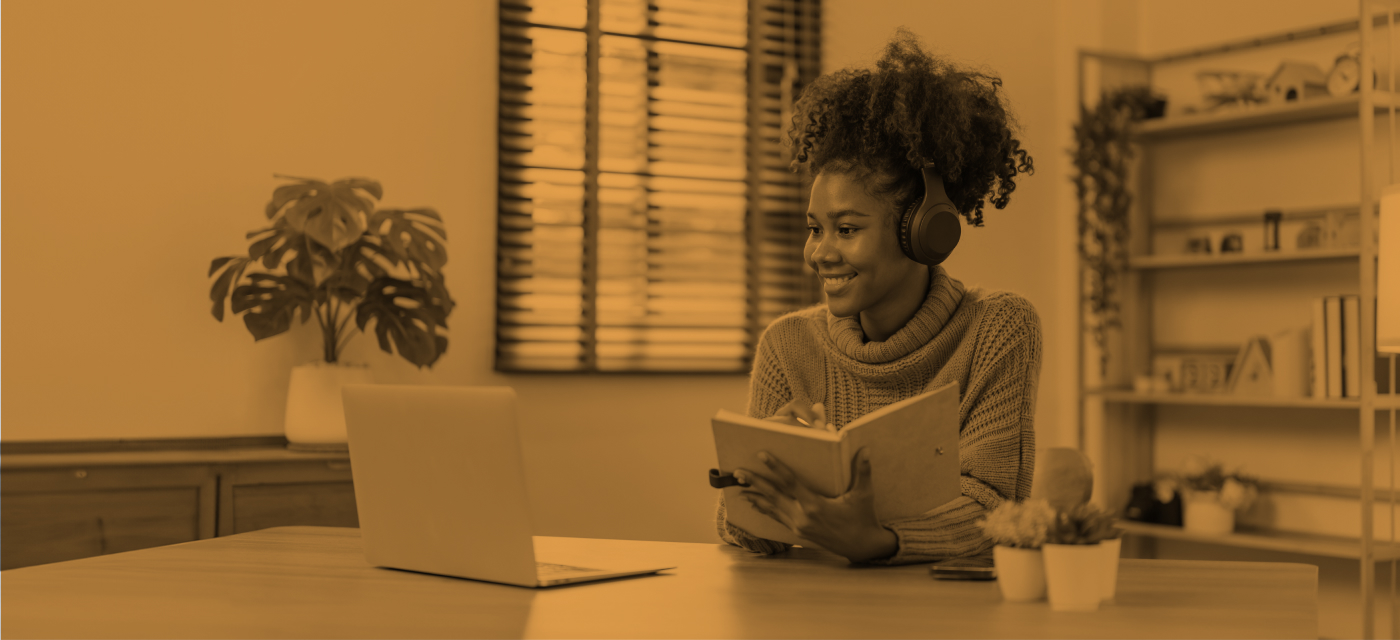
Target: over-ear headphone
[(929, 228)]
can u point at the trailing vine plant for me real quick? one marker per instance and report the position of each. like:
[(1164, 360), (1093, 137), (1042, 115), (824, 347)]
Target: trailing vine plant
[(1102, 155)]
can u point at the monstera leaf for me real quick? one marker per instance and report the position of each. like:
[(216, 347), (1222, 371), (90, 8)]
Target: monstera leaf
[(414, 236), (233, 267), (405, 315), (271, 301), (333, 215)]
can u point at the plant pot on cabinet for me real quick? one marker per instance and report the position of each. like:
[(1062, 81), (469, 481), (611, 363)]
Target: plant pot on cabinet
[(1020, 573), (1203, 513), (315, 418), (1074, 576)]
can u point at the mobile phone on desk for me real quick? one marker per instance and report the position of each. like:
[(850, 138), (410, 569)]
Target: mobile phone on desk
[(975, 568)]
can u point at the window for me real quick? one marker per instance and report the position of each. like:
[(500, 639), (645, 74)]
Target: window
[(648, 221)]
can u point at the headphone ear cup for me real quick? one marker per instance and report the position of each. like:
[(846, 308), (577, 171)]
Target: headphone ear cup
[(928, 236)]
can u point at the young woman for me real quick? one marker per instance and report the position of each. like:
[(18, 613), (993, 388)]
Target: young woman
[(893, 327)]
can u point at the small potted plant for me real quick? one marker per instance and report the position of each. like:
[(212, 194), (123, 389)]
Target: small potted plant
[(1080, 570), (1210, 495), (1019, 529), (329, 252)]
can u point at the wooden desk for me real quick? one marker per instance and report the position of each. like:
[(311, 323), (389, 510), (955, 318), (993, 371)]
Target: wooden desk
[(313, 582)]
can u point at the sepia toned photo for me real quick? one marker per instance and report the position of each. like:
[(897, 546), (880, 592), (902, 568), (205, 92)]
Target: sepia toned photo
[(700, 319)]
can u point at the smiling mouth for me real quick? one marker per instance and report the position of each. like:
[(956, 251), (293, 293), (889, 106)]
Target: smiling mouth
[(836, 283)]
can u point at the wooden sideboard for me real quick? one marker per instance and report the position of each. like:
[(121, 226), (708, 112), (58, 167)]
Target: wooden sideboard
[(62, 501)]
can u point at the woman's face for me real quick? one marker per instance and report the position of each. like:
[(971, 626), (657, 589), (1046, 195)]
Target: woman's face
[(853, 245)]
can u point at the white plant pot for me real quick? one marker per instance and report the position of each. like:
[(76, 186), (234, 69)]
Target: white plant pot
[(1020, 573), (315, 416), (1112, 550), (1203, 513), (1074, 576)]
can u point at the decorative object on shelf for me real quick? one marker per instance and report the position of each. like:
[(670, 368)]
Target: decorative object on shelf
[(1289, 358), (329, 252), (1147, 504), (1341, 230), (1310, 236), (1231, 88), (1252, 373), (1388, 277), (1101, 161), (1078, 568), (1019, 529), (1232, 243), (1200, 244), (1272, 220), (1345, 76), (1205, 372), (1210, 495), (1294, 80)]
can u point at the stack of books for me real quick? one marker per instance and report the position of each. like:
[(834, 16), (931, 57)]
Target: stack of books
[(1336, 349)]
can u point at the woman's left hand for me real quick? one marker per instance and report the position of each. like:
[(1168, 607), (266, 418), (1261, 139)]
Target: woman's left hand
[(844, 525)]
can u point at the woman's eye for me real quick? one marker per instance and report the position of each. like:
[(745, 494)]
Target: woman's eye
[(814, 230), (846, 231)]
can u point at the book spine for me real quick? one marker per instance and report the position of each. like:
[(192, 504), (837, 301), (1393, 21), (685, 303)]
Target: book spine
[(1334, 346), (1319, 348), (1351, 346)]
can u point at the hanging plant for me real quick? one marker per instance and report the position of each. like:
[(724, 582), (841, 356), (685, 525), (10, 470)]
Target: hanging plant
[(1102, 154), (330, 253)]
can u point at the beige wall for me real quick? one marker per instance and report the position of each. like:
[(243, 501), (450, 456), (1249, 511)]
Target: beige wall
[(142, 140)]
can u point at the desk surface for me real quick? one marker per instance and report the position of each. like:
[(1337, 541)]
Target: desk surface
[(313, 582)]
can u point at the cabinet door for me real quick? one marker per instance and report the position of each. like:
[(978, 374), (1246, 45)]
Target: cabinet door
[(55, 514), (311, 493)]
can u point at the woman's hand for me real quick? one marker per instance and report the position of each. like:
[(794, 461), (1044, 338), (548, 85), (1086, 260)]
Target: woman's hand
[(798, 414), (844, 525)]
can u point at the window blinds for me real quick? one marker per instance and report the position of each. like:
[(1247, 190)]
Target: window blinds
[(647, 218)]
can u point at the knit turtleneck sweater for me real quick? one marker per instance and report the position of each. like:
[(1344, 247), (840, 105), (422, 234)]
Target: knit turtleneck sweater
[(987, 342)]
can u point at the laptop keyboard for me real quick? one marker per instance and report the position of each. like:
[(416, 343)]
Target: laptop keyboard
[(547, 570)]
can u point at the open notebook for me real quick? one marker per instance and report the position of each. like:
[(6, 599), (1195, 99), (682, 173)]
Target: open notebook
[(913, 446)]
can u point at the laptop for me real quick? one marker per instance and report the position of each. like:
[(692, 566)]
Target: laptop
[(440, 487)]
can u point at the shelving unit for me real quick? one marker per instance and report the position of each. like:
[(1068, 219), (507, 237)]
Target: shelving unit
[(1121, 442)]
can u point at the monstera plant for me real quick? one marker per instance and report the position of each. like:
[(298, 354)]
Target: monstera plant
[(329, 252)]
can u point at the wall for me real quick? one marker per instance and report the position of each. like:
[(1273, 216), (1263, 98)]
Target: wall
[(143, 139)]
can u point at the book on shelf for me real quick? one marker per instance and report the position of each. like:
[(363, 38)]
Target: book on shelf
[(1336, 346), (1333, 354)]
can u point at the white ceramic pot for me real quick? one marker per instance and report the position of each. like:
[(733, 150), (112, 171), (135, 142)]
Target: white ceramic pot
[(1203, 513), (1074, 576), (1112, 550), (315, 416), (1020, 573)]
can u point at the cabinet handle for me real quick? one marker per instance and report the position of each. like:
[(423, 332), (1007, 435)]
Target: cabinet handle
[(338, 466), (80, 473)]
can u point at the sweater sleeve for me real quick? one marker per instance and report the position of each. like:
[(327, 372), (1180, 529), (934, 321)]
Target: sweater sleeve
[(997, 446), (768, 392)]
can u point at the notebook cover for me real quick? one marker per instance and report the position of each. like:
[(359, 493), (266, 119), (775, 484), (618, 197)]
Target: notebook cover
[(908, 474)]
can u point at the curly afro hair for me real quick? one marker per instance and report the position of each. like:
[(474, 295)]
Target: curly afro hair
[(884, 124)]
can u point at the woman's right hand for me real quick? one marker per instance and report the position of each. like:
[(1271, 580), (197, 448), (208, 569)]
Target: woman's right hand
[(799, 414)]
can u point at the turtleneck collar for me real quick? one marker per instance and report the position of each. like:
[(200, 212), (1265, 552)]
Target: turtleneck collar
[(944, 295)]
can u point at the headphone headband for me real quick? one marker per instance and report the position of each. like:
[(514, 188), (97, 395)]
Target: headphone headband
[(929, 229)]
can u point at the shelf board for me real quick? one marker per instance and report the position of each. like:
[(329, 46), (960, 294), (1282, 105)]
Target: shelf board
[(1192, 260), (1288, 542), (1222, 399), (1321, 108)]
